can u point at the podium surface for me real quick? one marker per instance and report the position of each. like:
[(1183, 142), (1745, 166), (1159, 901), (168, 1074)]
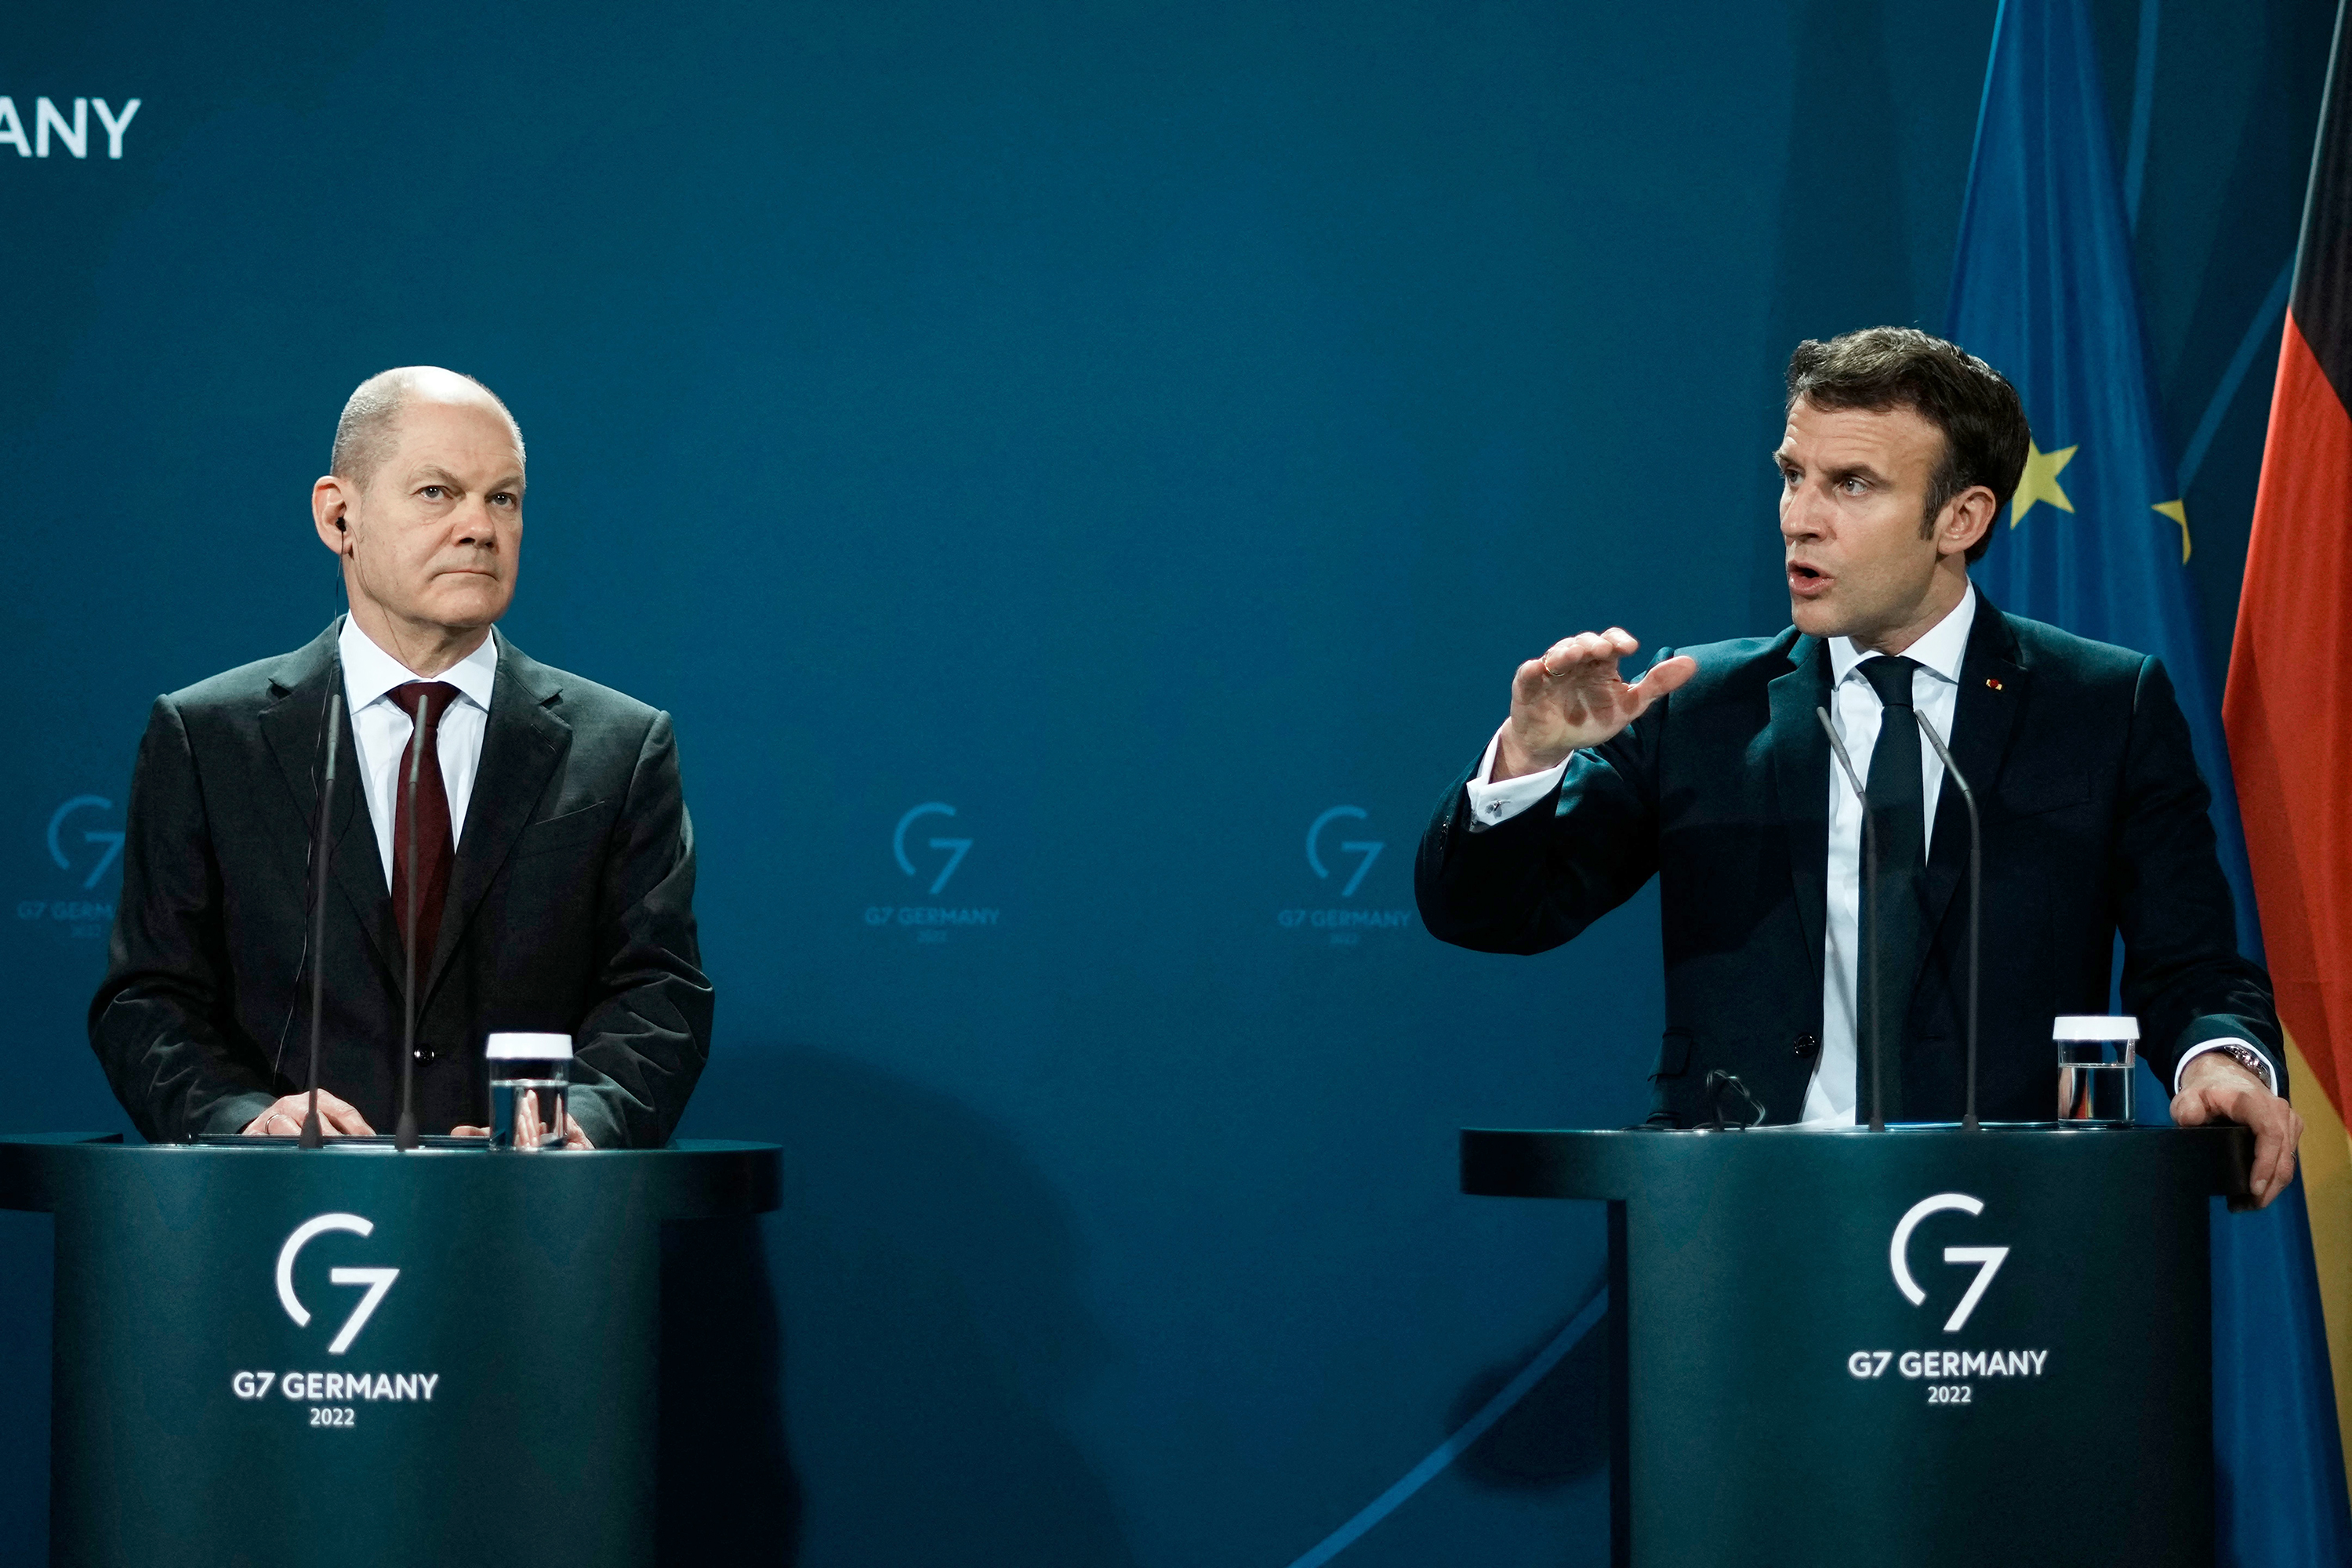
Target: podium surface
[(1923, 1346), (270, 1355)]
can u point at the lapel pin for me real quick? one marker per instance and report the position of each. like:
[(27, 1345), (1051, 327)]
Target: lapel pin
[(1990, 681)]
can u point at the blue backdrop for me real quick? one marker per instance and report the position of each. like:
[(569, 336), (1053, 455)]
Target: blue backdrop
[(1134, 432)]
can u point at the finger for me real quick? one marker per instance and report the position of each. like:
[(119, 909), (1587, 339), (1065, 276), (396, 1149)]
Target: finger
[(1665, 677), (1568, 656), (1565, 659), (2189, 1108), (2266, 1171), (340, 1114), (2286, 1134), (1621, 642), (1560, 658), (470, 1132), (2274, 1162), (2260, 1180)]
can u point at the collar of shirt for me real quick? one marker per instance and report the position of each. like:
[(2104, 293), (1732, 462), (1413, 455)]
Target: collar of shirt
[(369, 672), (1941, 650)]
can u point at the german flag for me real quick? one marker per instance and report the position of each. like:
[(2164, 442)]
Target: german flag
[(2288, 704)]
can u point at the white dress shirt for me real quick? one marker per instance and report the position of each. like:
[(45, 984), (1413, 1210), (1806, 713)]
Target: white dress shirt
[(381, 727), (1854, 711)]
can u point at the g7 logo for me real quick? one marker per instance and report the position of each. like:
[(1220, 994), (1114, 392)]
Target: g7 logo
[(111, 839), (956, 848), (1369, 848), (377, 1280), (1988, 1260)]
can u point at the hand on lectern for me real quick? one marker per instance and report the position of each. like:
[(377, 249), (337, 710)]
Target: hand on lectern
[(284, 1120), (1573, 697), (528, 1128), (2215, 1089)]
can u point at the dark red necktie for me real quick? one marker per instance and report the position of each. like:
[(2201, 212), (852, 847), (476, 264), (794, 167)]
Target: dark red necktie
[(436, 846)]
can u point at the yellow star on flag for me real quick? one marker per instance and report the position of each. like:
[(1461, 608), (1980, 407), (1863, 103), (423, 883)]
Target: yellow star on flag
[(2177, 510), (2040, 481)]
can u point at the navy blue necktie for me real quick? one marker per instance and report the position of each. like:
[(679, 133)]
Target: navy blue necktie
[(1897, 809)]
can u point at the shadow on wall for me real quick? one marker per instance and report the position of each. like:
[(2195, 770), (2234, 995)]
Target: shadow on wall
[(934, 1333), (1558, 1433), (727, 1489)]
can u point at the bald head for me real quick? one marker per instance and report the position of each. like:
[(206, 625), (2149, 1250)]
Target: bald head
[(424, 506), (370, 428)]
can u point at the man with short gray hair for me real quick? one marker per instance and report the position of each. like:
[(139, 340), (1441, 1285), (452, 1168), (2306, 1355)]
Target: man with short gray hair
[(553, 856)]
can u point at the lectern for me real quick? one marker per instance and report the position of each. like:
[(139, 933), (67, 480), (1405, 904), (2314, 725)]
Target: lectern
[(264, 1355), (1925, 1346)]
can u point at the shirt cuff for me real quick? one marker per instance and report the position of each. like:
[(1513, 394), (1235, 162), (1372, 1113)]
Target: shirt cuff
[(2270, 1079), (1492, 805)]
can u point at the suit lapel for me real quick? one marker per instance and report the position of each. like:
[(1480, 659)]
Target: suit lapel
[(298, 698), (290, 725), (521, 746), (1993, 688), (1800, 763)]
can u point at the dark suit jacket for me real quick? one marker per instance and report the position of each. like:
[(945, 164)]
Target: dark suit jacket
[(570, 910), (2095, 821)]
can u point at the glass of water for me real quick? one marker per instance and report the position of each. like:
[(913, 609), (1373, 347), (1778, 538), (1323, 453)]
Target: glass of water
[(530, 1076), (2097, 1059)]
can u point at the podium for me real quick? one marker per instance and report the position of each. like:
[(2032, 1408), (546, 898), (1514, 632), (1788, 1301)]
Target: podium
[(264, 1355), (1925, 1346)]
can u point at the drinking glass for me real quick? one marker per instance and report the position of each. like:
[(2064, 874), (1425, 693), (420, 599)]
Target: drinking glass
[(2097, 1059), (530, 1076)]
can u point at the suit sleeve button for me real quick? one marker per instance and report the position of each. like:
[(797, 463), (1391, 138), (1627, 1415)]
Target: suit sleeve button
[(1805, 1045)]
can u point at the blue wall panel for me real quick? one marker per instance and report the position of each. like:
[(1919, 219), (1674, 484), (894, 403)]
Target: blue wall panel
[(1141, 429)]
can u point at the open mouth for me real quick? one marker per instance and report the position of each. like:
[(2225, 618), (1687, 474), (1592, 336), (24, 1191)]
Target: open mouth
[(1806, 581)]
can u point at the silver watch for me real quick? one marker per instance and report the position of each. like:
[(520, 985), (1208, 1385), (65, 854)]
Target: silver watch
[(2251, 1060)]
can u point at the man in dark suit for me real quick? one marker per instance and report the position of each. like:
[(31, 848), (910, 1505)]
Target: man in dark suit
[(1714, 773), (554, 858)]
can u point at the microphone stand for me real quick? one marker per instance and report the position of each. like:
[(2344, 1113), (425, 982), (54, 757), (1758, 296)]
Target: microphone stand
[(312, 1138), (1870, 896), (1976, 902), (405, 1136)]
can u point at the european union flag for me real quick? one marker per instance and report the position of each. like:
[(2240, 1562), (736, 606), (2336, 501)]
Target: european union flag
[(2095, 541)]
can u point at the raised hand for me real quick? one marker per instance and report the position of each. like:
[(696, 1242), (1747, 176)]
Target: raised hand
[(1573, 697)]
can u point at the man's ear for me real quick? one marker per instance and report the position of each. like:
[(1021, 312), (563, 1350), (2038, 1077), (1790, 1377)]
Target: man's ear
[(330, 502), (1967, 517)]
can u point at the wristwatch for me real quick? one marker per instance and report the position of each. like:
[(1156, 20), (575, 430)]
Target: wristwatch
[(2249, 1059)]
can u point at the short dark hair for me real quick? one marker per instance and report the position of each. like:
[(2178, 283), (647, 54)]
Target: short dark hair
[(1982, 419)]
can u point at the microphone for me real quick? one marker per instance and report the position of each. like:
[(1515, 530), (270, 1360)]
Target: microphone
[(1976, 902), (405, 1136), (311, 1137), (1870, 896)]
